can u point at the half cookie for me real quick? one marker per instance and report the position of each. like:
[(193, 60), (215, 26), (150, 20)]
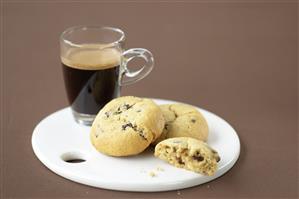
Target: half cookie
[(188, 153)]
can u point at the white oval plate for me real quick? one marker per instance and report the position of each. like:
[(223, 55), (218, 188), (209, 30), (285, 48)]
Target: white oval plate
[(58, 137)]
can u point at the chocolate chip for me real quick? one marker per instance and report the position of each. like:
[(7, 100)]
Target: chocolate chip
[(128, 106), (166, 126), (218, 158), (180, 161), (193, 120), (126, 125), (117, 112), (213, 151), (184, 151), (107, 114), (141, 134), (138, 111), (198, 158), (134, 127), (123, 108)]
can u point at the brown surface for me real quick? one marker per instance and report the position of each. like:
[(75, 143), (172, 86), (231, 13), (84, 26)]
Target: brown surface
[(237, 60)]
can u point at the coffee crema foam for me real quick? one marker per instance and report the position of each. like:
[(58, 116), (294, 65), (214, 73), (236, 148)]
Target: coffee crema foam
[(92, 58)]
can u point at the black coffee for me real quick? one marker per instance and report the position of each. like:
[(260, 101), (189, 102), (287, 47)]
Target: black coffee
[(91, 79)]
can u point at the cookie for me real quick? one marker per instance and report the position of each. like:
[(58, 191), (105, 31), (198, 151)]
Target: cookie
[(188, 153), (183, 120), (126, 126)]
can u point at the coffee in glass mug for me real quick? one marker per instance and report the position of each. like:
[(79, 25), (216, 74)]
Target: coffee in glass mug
[(94, 65)]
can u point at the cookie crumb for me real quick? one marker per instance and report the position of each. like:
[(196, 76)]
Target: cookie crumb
[(159, 169), (178, 193), (208, 186), (152, 174)]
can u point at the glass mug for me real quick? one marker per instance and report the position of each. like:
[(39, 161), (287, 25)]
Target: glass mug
[(94, 65)]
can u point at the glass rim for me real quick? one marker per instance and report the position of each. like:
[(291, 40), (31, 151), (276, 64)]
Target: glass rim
[(74, 28)]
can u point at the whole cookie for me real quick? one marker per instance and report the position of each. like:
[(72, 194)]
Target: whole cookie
[(183, 120), (126, 126), (188, 153)]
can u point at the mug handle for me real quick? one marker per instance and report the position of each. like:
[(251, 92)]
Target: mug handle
[(134, 76)]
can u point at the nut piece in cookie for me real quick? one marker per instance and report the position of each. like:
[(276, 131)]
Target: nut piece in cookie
[(188, 153)]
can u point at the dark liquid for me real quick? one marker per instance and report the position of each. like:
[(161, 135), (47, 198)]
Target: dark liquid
[(89, 90)]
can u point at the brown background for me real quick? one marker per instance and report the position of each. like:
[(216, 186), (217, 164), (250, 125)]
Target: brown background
[(238, 60)]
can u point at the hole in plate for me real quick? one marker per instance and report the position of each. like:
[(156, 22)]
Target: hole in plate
[(75, 160), (73, 157)]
